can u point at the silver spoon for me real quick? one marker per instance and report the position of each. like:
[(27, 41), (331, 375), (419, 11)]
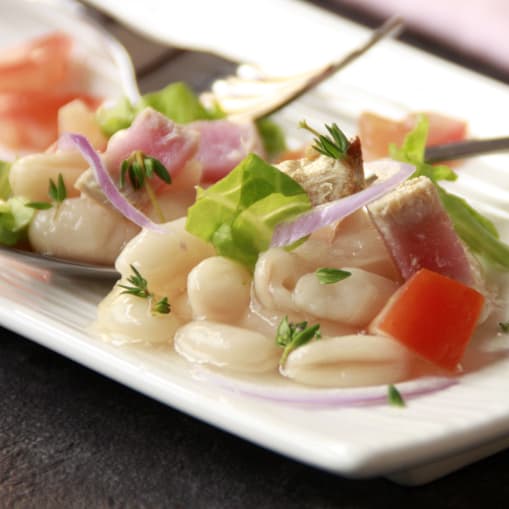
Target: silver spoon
[(59, 265)]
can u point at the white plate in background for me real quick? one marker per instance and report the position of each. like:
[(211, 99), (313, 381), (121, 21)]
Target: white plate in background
[(110, 72)]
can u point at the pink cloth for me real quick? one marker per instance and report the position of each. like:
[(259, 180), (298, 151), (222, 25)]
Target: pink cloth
[(480, 27)]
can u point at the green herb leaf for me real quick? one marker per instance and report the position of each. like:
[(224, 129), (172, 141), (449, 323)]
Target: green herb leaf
[(335, 145), (394, 397), (238, 214), (504, 327), (5, 188), (328, 276), (15, 217), (273, 137), (138, 167), (138, 285), (57, 192), (292, 335), (476, 230), (39, 205), (162, 306), (155, 166)]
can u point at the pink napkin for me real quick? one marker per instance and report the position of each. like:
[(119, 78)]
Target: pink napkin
[(478, 27)]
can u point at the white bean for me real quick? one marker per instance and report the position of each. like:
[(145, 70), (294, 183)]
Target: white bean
[(77, 117), (353, 301), (276, 273), (164, 259), (266, 321), (124, 318), (353, 242), (219, 289), (226, 346), (30, 175), (173, 205), (349, 361), (81, 229)]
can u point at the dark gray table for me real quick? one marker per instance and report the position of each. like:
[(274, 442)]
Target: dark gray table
[(70, 438)]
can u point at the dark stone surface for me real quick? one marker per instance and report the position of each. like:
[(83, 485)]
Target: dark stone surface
[(70, 438)]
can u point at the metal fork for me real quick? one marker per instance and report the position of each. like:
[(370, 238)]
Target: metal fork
[(251, 94)]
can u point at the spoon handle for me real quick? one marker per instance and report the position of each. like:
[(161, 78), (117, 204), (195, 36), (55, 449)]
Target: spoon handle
[(465, 148)]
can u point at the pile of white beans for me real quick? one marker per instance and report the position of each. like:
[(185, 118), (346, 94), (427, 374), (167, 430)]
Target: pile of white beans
[(224, 316)]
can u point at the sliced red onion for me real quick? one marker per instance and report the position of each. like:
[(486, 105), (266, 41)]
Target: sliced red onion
[(104, 179), (325, 398), (289, 232)]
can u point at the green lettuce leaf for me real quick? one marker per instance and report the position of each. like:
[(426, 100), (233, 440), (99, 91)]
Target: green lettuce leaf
[(412, 151), (476, 230), (116, 116), (5, 188), (238, 214), (272, 136), (15, 217), (179, 103)]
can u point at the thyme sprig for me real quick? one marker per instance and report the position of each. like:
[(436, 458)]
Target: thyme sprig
[(504, 327), (292, 335), (394, 397), (138, 286), (139, 168), (57, 192), (328, 276), (335, 145)]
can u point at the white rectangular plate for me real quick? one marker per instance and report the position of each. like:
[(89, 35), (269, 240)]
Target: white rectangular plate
[(434, 434)]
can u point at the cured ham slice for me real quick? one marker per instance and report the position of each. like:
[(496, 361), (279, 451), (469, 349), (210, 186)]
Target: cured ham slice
[(223, 144), (418, 232), (156, 136)]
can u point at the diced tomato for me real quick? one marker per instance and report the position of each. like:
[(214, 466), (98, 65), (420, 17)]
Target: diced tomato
[(35, 65), (29, 120), (377, 132), (432, 315)]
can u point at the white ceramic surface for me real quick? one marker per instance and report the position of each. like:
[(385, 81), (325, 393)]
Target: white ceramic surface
[(434, 434)]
